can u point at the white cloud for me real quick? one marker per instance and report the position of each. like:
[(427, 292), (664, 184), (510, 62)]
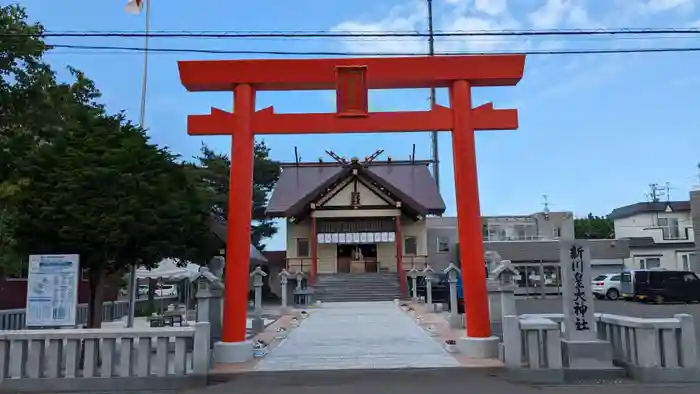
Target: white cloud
[(555, 13), (491, 7), (499, 15), (667, 5)]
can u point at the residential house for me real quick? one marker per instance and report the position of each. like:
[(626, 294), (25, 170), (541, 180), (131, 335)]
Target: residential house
[(660, 234)]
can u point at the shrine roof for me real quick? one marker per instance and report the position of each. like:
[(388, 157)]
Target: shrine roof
[(412, 181)]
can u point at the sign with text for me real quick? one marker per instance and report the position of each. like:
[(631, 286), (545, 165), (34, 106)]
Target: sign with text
[(52, 290), (356, 238), (351, 91), (577, 294)]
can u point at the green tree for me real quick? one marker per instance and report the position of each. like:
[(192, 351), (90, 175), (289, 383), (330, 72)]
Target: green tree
[(102, 191), (213, 169), (76, 180), (34, 107), (594, 227)]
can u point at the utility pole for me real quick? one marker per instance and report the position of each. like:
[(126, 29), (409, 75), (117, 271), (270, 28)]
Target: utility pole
[(133, 291), (434, 133)]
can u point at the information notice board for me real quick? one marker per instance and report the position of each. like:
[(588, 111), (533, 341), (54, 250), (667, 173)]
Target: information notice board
[(52, 290)]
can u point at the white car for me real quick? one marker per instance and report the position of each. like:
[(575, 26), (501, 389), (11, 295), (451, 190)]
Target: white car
[(166, 291), (607, 286)]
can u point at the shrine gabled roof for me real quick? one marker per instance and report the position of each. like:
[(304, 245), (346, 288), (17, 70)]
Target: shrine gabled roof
[(298, 184)]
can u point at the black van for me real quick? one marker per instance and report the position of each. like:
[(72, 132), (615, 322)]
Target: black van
[(660, 285)]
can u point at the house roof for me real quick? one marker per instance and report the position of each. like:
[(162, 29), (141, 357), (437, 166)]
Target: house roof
[(298, 185), (649, 207), (518, 251), (220, 229), (649, 242)]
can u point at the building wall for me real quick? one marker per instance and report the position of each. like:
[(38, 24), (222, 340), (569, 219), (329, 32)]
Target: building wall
[(695, 216), (608, 254), (644, 225), (386, 252), (670, 258), (554, 225), (437, 259)]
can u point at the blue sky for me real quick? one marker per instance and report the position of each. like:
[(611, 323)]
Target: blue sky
[(595, 130)]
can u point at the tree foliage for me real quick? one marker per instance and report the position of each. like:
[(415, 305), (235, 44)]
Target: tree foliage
[(214, 169), (75, 179), (594, 227)]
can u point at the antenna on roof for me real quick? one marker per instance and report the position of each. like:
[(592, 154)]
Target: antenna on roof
[(335, 157), (668, 192), (413, 155), (296, 156), (373, 156), (546, 205), (697, 186), (655, 192)]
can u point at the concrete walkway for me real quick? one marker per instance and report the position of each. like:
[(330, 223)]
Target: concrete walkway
[(357, 335)]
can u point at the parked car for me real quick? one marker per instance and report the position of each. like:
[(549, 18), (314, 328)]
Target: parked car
[(166, 291), (607, 286), (440, 290), (660, 285)]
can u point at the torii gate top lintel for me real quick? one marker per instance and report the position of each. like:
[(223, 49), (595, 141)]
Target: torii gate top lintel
[(381, 73)]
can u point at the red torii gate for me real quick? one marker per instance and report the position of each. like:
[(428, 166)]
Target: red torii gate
[(351, 79)]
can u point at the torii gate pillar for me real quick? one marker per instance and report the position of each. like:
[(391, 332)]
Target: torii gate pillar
[(351, 79)]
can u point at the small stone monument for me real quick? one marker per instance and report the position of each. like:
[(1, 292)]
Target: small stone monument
[(284, 281), (209, 301), (413, 274), (453, 273), (581, 348), (302, 294), (428, 273), (258, 276)]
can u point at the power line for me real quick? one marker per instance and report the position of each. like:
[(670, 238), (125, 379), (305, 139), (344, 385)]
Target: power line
[(350, 34), (360, 54)]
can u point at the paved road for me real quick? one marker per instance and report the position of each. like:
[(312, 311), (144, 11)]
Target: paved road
[(354, 335), (417, 381)]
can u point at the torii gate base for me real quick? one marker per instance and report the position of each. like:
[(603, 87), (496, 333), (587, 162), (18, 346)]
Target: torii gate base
[(351, 79)]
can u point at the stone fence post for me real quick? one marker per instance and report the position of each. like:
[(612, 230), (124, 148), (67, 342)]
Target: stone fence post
[(428, 274), (413, 274), (209, 301), (452, 277), (258, 276), (501, 294), (284, 282)]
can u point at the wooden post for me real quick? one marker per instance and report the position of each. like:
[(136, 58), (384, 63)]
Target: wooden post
[(314, 251), (399, 256)]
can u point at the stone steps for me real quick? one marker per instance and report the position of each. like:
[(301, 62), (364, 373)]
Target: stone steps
[(357, 287)]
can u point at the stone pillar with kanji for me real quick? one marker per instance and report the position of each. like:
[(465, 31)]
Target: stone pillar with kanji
[(581, 347)]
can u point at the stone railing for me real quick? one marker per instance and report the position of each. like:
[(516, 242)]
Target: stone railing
[(14, 319), (533, 343), (84, 359), (650, 350)]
